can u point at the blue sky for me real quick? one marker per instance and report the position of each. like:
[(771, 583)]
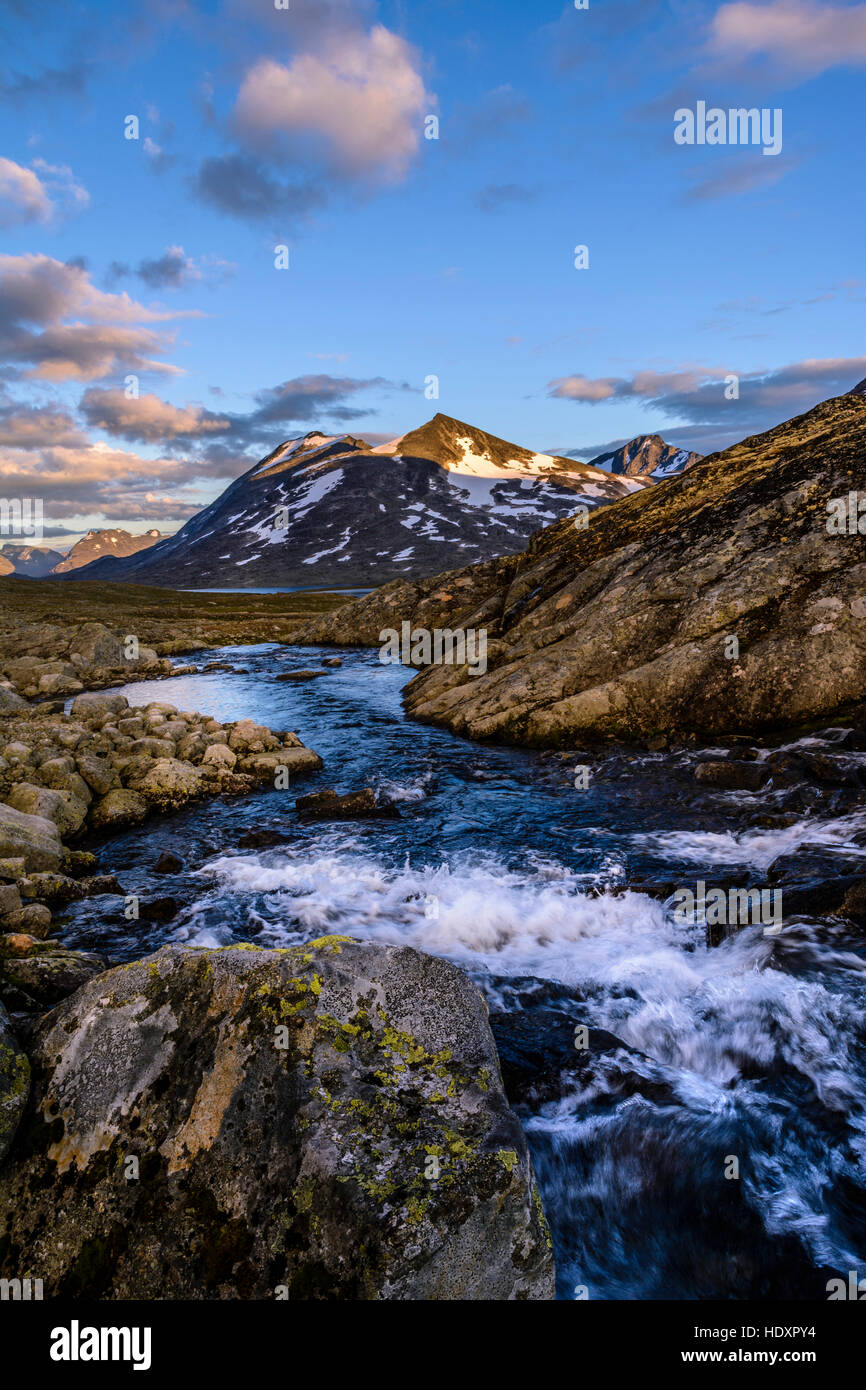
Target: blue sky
[(410, 257)]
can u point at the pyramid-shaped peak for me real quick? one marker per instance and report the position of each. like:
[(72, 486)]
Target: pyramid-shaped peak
[(457, 445)]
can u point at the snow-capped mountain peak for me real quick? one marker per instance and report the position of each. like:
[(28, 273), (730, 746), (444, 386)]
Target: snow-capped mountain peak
[(646, 456), (326, 510)]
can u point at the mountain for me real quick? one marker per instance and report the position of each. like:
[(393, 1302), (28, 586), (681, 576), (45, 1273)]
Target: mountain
[(29, 561), (647, 456), (105, 545), (625, 628), (335, 510)]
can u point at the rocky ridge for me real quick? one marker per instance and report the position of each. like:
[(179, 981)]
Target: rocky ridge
[(32, 561), (622, 627), (647, 456)]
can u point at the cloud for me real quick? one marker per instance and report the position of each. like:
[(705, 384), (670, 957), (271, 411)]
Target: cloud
[(306, 398), (97, 479), (756, 305), (38, 194), (37, 295), (498, 109), (241, 186), (173, 270), (70, 80), (147, 418), (799, 36), (156, 155), (34, 427), (696, 395), (360, 99), (298, 402), (44, 454), (168, 271), (739, 178), (23, 196), (570, 41)]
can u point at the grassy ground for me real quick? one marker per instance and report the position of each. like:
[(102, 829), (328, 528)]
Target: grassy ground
[(165, 618), (38, 600)]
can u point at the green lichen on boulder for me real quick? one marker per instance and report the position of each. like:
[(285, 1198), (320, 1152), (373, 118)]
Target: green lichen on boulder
[(323, 1122)]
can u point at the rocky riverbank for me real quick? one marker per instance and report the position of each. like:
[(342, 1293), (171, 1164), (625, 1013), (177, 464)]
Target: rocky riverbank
[(57, 639), (104, 766)]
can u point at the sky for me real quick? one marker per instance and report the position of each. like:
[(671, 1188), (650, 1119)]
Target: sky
[(227, 223)]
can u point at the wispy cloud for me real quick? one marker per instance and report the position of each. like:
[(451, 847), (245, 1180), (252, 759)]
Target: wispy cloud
[(699, 395), (801, 37), (42, 193), (496, 196), (740, 178)]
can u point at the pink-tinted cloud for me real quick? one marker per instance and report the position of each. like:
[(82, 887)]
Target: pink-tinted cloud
[(109, 333), (23, 196), (360, 98), (148, 418), (698, 394), (799, 35)]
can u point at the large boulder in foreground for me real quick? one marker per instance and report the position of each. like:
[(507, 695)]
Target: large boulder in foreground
[(622, 626), (289, 1111)]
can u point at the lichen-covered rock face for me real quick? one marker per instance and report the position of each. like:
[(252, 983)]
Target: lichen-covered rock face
[(324, 1122), (621, 627), (10, 701), (33, 839), (117, 810), (44, 974), (14, 1084)]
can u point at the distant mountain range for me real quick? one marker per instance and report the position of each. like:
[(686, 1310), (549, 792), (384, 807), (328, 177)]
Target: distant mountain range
[(99, 545), (28, 561), (337, 511), (37, 562)]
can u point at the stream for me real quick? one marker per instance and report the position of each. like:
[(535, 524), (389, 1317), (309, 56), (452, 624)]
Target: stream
[(705, 1136)]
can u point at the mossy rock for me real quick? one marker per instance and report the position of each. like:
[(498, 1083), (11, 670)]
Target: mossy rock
[(325, 1122), (48, 973)]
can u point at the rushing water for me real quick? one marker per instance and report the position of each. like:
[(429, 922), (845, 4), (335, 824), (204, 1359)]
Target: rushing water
[(751, 1052)]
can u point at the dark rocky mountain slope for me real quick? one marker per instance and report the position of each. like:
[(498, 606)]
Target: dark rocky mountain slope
[(322, 511), (646, 456)]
